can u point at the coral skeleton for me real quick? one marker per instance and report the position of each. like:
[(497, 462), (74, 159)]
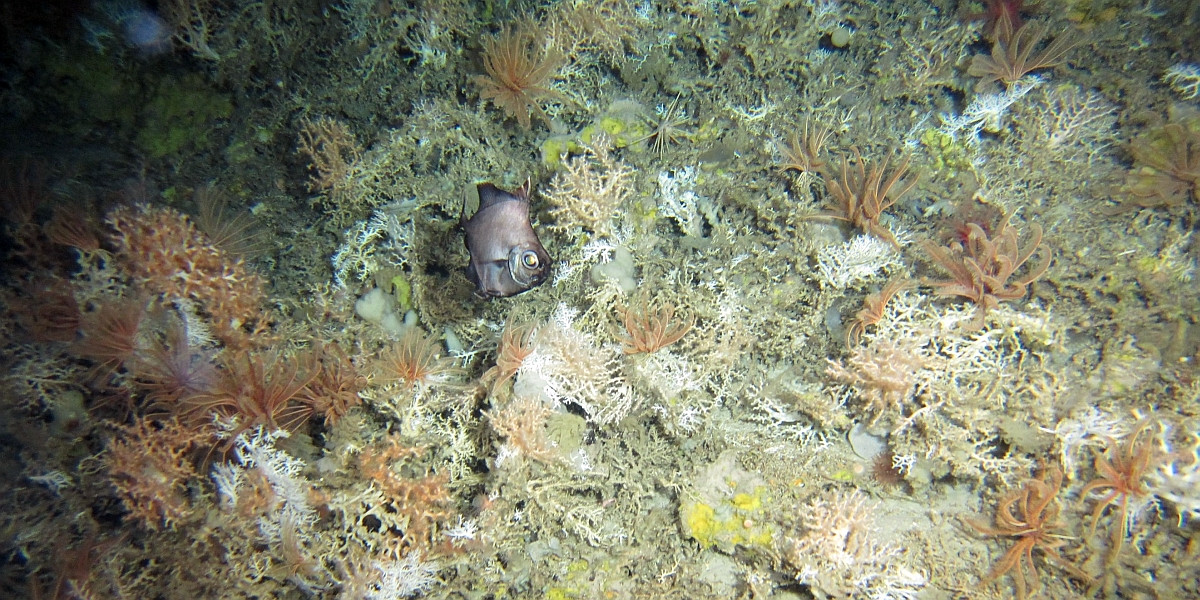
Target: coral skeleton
[(568, 365), (850, 263), (836, 551), (1184, 78)]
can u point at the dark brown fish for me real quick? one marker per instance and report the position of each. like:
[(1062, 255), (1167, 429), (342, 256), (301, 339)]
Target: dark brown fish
[(506, 256)]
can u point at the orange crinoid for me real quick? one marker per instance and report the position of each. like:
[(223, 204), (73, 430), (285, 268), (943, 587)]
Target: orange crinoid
[(519, 69), (982, 269), (1029, 517), (1122, 470)]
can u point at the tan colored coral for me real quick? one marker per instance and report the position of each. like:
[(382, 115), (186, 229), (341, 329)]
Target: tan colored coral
[(423, 499), (149, 465), (587, 193), (168, 256), (522, 424), (883, 373)]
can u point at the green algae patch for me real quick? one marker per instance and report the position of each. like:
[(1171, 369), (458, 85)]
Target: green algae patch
[(947, 155), (180, 115)]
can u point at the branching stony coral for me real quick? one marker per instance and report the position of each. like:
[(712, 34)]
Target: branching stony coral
[(167, 255), (836, 551), (1185, 79), (885, 375), (567, 365), (150, 466), (1177, 479), (589, 190), (1067, 123), (420, 505)]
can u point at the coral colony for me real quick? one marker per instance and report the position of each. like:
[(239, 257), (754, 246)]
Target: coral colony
[(830, 299)]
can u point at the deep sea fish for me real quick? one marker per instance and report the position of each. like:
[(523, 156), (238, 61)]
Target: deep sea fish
[(506, 256)]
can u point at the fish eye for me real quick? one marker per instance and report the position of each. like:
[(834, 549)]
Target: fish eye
[(530, 259)]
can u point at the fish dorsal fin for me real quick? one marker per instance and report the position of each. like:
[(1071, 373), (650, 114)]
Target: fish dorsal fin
[(490, 195)]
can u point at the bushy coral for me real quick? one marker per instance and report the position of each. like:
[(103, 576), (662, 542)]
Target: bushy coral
[(836, 551), (170, 258), (150, 465), (419, 502), (588, 191), (1177, 479), (568, 365)]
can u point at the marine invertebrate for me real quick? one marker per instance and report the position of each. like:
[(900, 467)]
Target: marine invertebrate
[(72, 228), (884, 470), (232, 232), (1122, 470), (1177, 478), (169, 370), (516, 344), (1001, 18), (652, 327), (150, 468), (569, 366), (884, 373), (1012, 59), (335, 388), (522, 423), (589, 189), (49, 313), (1166, 170), (111, 335), (23, 189), (837, 551), (257, 390), (414, 362), (167, 255), (856, 260), (802, 150), (956, 228), (873, 307), (666, 127), (331, 149), (1185, 79), (520, 67), (981, 268), (334, 160), (73, 568), (422, 501), (1029, 517), (863, 195)]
